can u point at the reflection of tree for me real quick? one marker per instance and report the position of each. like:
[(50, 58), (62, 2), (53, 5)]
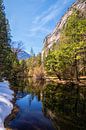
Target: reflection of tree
[(29, 102), (44, 109), (36, 88), (68, 102)]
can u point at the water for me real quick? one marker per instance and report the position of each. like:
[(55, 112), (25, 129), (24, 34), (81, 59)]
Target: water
[(50, 107), (31, 115)]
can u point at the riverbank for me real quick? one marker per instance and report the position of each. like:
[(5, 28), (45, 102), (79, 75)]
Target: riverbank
[(58, 102), (82, 80), (6, 106), (11, 116)]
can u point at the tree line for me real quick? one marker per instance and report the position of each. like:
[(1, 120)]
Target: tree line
[(7, 57), (67, 60), (10, 67)]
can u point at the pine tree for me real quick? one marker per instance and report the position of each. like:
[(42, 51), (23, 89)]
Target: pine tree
[(5, 49), (32, 52)]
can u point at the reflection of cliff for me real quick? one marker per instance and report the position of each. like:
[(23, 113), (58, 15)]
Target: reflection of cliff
[(55, 35)]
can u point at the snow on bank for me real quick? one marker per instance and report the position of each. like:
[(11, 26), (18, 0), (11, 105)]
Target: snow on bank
[(6, 96)]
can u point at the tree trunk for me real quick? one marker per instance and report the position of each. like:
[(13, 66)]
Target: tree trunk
[(76, 70), (58, 75), (77, 100)]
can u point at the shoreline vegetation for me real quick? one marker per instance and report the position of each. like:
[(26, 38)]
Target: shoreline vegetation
[(51, 87), (82, 80), (63, 65), (66, 59)]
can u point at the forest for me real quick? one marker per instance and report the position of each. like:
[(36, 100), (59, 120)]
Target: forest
[(66, 60), (58, 81)]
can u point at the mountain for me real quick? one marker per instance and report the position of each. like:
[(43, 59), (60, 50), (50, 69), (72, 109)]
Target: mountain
[(55, 35), (22, 55)]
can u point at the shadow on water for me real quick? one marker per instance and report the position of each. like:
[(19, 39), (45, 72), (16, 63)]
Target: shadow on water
[(45, 106)]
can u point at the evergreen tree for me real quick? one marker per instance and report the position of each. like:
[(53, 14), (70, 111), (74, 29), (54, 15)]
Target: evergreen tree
[(69, 58), (32, 52), (7, 57)]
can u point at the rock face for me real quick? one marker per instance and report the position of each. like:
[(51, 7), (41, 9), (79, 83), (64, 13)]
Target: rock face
[(55, 35)]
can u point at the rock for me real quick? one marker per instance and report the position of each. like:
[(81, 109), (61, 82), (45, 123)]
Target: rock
[(55, 35)]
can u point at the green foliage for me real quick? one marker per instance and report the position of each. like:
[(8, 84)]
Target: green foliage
[(72, 44), (7, 57), (75, 29), (33, 62), (4, 45)]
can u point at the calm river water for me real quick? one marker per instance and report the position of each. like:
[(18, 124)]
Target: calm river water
[(54, 108)]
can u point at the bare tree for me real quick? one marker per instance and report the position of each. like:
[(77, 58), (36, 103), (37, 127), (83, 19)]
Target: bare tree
[(17, 46)]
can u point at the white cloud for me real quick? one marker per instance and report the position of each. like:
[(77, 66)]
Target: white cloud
[(40, 22), (47, 13)]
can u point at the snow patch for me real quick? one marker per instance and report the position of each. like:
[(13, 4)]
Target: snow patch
[(6, 96)]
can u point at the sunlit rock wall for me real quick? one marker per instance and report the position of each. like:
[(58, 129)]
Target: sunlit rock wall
[(55, 35)]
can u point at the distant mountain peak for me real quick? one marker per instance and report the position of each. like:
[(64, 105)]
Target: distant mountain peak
[(23, 55)]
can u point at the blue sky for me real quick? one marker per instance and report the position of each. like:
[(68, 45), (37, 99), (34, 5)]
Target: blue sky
[(31, 20)]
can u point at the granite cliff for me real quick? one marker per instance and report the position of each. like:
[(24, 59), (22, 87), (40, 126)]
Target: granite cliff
[(55, 35)]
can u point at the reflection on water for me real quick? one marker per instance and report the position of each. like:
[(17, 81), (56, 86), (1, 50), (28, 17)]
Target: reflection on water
[(30, 116), (50, 107), (66, 104)]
